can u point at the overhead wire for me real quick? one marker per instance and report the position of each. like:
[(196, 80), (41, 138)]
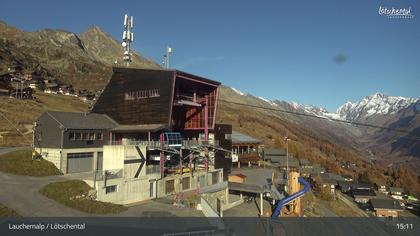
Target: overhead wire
[(410, 133)]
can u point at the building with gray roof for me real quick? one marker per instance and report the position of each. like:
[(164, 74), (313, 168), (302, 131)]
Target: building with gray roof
[(242, 143), (74, 141), (386, 207)]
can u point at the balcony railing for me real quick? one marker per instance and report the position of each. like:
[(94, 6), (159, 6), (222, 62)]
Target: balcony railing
[(165, 144), (109, 174), (152, 169)]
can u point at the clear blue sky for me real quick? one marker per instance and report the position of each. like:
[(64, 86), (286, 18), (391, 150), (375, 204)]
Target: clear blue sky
[(275, 49)]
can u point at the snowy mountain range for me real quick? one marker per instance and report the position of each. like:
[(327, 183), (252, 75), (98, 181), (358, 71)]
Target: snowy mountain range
[(376, 104), (372, 105)]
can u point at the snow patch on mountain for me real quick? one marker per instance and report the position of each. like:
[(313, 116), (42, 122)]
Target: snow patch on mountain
[(314, 110), (238, 91), (268, 101)]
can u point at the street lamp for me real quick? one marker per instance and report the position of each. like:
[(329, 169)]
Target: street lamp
[(286, 139)]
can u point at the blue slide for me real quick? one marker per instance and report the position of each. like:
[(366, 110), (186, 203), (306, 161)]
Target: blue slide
[(284, 201)]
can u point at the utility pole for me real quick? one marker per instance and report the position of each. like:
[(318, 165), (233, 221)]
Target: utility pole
[(287, 155)]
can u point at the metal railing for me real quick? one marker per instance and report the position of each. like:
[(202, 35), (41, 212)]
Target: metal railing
[(157, 144), (109, 174), (152, 169)]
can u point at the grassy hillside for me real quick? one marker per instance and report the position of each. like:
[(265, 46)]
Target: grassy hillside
[(7, 212), (75, 194), (20, 162), (23, 113)]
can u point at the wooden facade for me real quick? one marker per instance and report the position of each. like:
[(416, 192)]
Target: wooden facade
[(222, 133), (123, 99), (170, 97)]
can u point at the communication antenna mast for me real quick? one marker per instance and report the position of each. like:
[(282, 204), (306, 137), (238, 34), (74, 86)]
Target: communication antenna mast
[(128, 37), (166, 57)]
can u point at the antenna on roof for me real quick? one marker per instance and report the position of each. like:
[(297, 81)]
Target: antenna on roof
[(127, 37), (166, 57)]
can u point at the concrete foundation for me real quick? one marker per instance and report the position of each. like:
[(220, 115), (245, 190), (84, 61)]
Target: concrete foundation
[(59, 156)]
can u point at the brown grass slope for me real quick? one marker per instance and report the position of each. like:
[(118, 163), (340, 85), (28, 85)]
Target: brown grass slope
[(23, 113)]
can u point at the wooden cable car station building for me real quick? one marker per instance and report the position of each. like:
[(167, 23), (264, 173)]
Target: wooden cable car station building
[(152, 133)]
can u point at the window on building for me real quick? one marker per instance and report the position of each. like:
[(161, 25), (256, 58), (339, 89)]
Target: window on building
[(154, 93), (111, 189), (202, 181), (72, 136), (78, 136), (80, 155), (215, 177), (91, 136), (141, 94), (185, 183), (99, 136), (85, 136), (170, 186)]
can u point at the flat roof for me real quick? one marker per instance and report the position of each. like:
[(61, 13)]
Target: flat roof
[(275, 152), (250, 188), (363, 192), (240, 138), (146, 127), (174, 72)]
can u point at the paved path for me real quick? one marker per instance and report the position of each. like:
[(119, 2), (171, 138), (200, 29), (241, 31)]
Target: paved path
[(21, 194)]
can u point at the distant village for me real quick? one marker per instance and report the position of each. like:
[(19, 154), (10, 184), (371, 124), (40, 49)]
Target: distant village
[(20, 84), (378, 199)]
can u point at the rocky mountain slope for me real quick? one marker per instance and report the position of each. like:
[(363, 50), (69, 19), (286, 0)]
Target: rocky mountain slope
[(84, 60)]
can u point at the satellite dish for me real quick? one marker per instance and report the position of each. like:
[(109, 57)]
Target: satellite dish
[(124, 44)]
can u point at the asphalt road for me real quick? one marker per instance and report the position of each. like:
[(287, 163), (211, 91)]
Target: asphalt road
[(21, 194)]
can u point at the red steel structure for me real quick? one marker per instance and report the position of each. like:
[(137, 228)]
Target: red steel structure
[(147, 103)]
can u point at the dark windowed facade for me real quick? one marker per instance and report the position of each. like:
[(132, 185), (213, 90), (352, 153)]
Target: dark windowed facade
[(85, 136), (185, 183), (170, 186), (111, 189), (142, 94)]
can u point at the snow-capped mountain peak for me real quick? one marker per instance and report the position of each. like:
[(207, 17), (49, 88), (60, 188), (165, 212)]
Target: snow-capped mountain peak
[(375, 104), (314, 110), (372, 105)]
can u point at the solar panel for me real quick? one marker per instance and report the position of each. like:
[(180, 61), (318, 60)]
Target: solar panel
[(173, 139)]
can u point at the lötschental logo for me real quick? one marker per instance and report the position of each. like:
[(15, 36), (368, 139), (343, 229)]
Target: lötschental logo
[(395, 12)]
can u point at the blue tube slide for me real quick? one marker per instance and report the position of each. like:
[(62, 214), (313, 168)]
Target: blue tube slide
[(280, 203)]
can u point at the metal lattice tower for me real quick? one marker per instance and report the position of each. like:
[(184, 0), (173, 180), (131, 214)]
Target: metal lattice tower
[(166, 57), (128, 37)]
